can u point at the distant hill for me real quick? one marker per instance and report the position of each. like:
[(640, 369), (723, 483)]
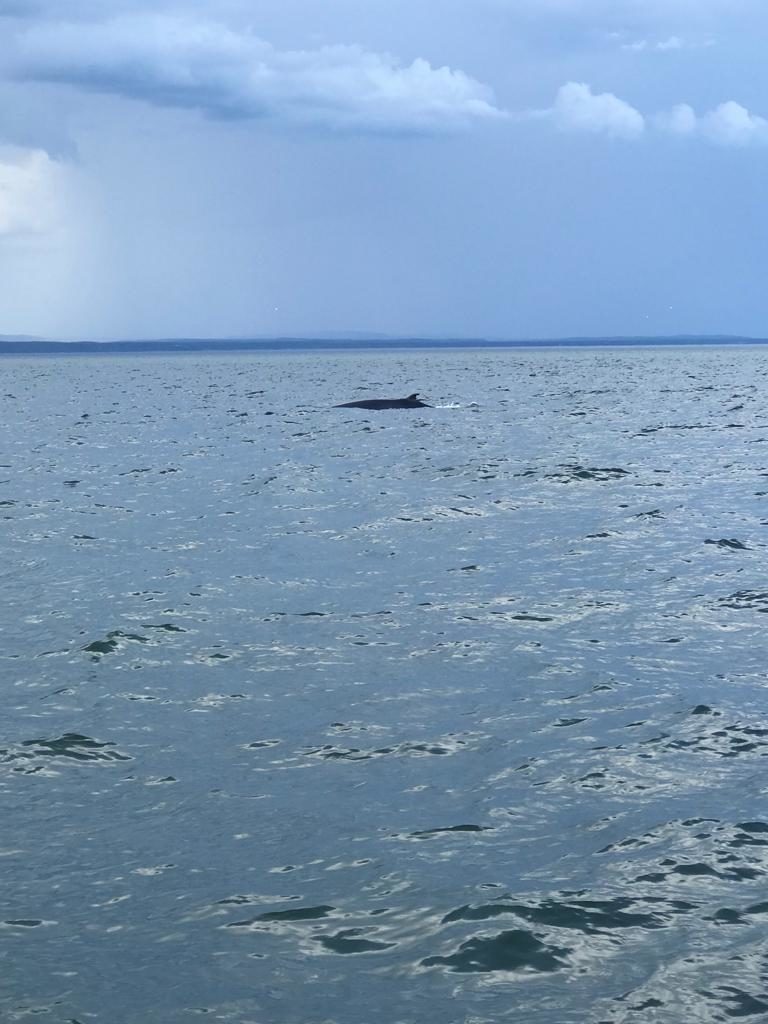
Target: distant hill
[(20, 345)]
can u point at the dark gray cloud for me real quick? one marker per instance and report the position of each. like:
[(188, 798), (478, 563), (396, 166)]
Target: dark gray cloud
[(181, 61)]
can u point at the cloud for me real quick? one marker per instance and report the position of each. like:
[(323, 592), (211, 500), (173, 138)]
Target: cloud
[(671, 43), (662, 46), (729, 124), (29, 186), (578, 109), (183, 61), (680, 120)]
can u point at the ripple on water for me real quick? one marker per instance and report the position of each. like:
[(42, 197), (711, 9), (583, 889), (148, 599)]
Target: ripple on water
[(508, 952), (32, 756)]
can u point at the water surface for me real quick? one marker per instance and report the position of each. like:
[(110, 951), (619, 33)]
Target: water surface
[(315, 715)]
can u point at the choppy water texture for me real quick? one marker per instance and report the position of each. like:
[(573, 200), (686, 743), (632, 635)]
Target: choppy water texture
[(315, 715)]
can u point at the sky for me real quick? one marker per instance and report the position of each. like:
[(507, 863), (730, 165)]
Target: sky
[(462, 168)]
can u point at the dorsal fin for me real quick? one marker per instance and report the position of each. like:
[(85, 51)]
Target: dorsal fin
[(413, 397)]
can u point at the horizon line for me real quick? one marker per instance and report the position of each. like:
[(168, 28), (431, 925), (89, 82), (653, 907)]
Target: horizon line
[(20, 344)]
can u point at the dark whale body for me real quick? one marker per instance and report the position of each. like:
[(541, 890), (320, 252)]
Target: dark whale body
[(411, 402)]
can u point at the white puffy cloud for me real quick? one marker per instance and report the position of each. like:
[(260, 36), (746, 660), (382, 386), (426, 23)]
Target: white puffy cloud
[(29, 192), (577, 108), (729, 124), (185, 61)]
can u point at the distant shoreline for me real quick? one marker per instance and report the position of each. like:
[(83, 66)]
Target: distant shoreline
[(211, 346)]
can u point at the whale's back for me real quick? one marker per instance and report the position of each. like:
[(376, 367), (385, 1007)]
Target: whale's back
[(411, 402)]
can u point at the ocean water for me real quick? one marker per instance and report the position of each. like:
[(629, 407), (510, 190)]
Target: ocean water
[(320, 716)]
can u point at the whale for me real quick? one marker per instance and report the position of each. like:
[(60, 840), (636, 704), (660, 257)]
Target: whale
[(411, 402)]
